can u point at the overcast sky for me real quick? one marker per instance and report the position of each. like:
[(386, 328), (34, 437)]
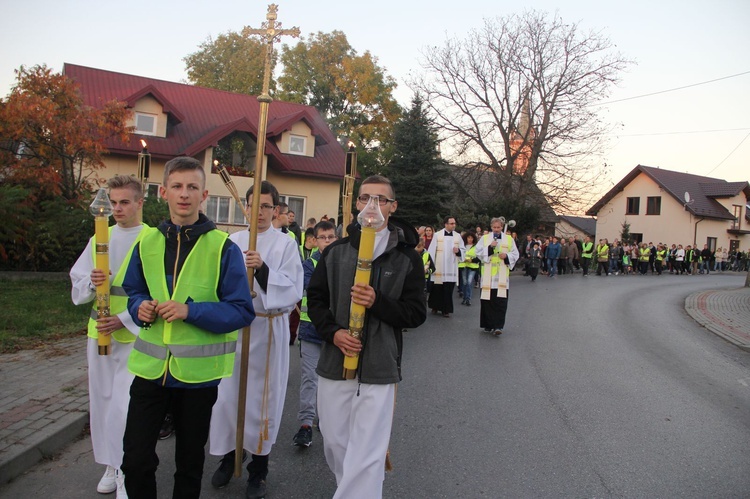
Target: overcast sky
[(704, 129)]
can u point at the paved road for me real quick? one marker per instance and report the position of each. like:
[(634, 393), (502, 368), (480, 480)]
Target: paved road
[(600, 387)]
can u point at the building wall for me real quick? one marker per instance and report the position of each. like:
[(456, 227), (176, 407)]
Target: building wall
[(566, 230), (674, 225), (320, 196), (148, 104)]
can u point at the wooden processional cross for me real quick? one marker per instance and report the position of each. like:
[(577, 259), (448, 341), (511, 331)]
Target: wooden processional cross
[(270, 32)]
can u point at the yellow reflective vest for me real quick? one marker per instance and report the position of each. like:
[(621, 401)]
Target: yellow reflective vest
[(587, 251), (118, 299), (471, 253), (303, 309), (192, 354)]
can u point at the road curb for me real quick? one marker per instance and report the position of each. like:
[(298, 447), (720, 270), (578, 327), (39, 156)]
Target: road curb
[(726, 313), (22, 456)]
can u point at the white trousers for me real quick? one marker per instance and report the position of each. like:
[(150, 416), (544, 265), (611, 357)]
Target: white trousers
[(356, 430), (109, 396)]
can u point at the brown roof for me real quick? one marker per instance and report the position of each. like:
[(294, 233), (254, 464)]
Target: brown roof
[(702, 191), (586, 224), (481, 184), (199, 117)]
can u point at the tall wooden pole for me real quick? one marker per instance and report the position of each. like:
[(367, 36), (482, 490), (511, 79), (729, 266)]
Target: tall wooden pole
[(270, 31)]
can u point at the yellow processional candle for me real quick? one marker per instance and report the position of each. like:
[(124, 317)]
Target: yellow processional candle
[(370, 220), (101, 208)]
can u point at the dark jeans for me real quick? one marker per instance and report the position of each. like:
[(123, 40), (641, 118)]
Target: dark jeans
[(585, 265), (602, 266), (191, 410)]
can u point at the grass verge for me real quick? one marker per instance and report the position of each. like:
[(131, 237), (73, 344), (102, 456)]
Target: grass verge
[(36, 311)]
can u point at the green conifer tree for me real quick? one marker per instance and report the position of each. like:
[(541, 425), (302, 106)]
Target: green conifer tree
[(419, 174)]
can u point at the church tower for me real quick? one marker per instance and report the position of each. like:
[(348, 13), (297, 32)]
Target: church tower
[(521, 139)]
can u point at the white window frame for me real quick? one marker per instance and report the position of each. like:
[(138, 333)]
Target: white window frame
[(146, 115), (151, 186), (238, 218), (292, 139), (298, 217), (216, 215)]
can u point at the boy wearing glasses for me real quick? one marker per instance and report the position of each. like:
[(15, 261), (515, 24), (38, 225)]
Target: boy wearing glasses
[(278, 284), (309, 342), (356, 414)]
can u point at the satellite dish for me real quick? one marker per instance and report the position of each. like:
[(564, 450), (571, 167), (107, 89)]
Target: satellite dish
[(687, 197)]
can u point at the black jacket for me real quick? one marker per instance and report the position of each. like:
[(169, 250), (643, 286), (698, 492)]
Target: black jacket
[(398, 279)]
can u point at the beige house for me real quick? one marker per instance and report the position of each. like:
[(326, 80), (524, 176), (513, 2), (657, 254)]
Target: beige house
[(676, 208), (302, 157)]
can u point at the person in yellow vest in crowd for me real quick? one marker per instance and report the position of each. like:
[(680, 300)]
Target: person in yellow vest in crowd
[(602, 257), (109, 379), (429, 267), (309, 246), (587, 251), (310, 342), (187, 290), (468, 267), (661, 254), (644, 252), (498, 252)]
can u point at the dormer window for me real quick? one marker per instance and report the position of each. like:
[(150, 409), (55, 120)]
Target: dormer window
[(145, 124), (297, 144)]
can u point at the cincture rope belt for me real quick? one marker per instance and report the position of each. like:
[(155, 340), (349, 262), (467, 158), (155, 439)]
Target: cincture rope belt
[(263, 434)]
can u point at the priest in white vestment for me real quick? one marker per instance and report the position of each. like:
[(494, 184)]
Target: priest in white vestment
[(447, 251)]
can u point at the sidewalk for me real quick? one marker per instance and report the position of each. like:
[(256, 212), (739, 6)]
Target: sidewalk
[(44, 392), (724, 312), (43, 403)]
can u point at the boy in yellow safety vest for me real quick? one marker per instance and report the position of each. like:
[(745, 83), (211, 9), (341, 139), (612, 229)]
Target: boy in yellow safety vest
[(187, 290)]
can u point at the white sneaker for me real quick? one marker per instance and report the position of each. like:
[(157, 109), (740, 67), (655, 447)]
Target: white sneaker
[(107, 484), (120, 479)]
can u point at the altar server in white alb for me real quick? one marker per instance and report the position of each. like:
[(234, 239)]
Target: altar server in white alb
[(109, 379), (356, 415), (447, 251), (278, 284), (498, 252)]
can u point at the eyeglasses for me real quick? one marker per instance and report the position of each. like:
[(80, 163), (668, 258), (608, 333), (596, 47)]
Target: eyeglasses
[(382, 200), (267, 207), (325, 238)]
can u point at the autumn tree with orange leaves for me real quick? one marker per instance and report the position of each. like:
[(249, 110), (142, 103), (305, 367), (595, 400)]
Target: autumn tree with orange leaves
[(51, 145), (51, 142)]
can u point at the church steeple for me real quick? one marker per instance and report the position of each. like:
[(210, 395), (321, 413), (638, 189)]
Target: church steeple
[(522, 138)]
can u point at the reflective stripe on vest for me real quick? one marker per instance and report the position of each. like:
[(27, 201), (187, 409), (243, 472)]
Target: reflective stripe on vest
[(426, 262), (495, 256), (587, 251), (471, 253), (192, 354), (118, 299), (303, 309)]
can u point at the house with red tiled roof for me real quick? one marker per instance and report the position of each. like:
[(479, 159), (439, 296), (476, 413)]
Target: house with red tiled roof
[(302, 159), (676, 208)]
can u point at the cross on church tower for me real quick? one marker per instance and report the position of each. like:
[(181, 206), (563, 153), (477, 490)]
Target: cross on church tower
[(271, 32)]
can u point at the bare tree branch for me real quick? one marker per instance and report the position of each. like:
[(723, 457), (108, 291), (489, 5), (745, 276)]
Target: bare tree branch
[(516, 95)]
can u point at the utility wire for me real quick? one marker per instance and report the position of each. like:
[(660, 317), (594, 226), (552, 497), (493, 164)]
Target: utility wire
[(678, 133), (672, 89), (727, 157)]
